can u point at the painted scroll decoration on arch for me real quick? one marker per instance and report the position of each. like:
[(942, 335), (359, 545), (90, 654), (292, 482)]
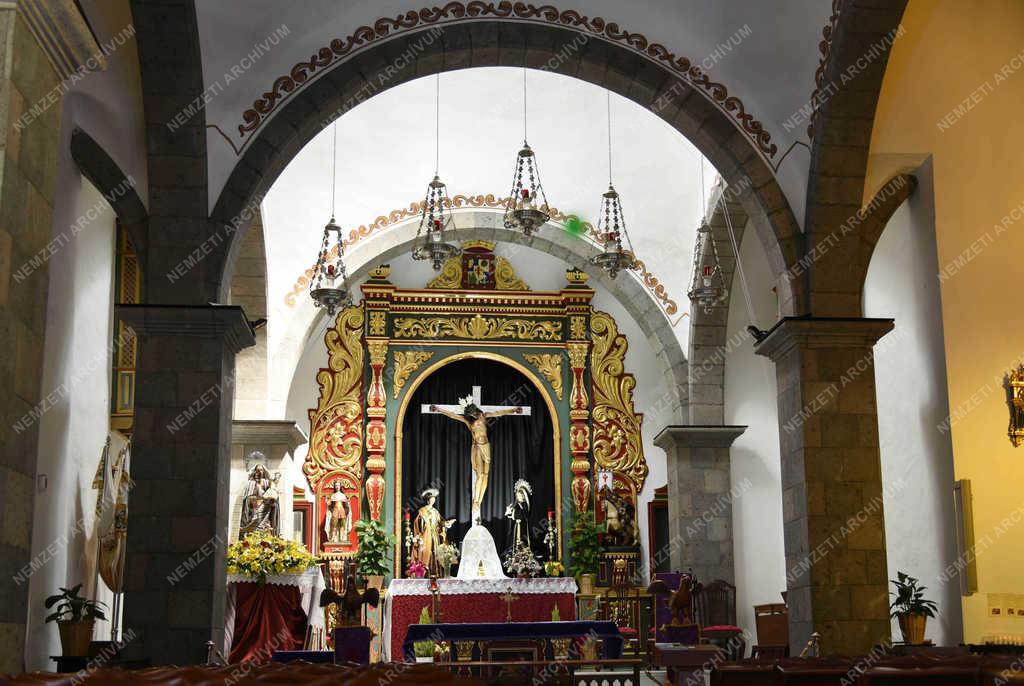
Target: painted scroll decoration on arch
[(617, 444), (336, 425)]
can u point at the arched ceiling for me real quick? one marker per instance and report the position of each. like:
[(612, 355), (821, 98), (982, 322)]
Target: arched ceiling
[(386, 157), (765, 54)]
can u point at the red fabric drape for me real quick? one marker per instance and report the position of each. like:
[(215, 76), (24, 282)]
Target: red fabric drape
[(267, 618), (476, 607)]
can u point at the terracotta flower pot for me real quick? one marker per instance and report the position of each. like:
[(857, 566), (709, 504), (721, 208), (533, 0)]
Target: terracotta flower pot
[(913, 627), (75, 637)]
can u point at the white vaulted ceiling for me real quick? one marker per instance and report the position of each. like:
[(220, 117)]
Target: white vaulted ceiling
[(386, 158), (765, 53)]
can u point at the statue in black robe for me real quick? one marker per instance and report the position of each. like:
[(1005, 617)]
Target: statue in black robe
[(518, 514)]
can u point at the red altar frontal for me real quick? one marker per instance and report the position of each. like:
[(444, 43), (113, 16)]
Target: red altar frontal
[(473, 600)]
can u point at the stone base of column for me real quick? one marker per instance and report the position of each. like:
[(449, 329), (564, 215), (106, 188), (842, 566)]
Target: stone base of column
[(700, 499)]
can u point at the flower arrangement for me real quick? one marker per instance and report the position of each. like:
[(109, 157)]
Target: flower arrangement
[(447, 555), (417, 569), (521, 562), (259, 555)]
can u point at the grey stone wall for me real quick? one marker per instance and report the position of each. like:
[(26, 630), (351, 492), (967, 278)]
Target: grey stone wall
[(29, 159)]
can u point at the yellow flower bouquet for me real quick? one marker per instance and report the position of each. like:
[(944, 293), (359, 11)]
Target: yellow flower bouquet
[(260, 555)]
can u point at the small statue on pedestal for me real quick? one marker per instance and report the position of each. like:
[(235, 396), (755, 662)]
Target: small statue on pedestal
[(430, 532), (259, 503), (518, 514)]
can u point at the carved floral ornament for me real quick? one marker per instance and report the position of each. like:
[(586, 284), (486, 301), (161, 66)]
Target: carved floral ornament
[(340, 49), (336, 425), (489, 201)]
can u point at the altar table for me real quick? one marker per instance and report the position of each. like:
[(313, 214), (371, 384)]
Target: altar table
[(473, 601), (608, 632), (262, 618)]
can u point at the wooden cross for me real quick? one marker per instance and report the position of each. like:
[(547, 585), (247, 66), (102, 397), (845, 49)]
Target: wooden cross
[(425, 408), (509, 599)]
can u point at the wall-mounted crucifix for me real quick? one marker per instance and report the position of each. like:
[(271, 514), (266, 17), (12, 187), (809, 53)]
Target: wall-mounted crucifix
[(475, 416)]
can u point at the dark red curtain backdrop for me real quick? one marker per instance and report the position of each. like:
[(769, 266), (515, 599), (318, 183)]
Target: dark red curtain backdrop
[(475, 608), (267, 618)]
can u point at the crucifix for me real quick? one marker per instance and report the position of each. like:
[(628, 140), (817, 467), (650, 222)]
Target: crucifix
[(509, 599), (476, 416)]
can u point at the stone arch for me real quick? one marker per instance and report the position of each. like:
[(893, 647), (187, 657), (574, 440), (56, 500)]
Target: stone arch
[(851, 73), (490, 41), (117, 188), (478, 224)]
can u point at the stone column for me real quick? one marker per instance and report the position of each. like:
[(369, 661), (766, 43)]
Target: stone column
[(831, 480), (178, 507), (700, 499)]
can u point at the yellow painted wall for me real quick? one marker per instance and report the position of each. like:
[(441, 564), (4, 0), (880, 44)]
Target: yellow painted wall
[(970, 55)]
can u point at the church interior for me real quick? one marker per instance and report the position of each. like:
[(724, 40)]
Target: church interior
[(660, 342)]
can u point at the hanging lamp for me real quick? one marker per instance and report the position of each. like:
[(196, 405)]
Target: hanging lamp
[(611, 222), (329, 286), (436, 218), (708, 286), (527, 208)]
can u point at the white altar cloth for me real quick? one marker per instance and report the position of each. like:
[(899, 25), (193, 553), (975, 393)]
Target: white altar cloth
[(478, 547), (311, 584)]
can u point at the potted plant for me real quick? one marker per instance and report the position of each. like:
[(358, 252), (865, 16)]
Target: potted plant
[(375, 545), (75, 617), (584, 550), (259, 555), (416, 570), (910, 608), (424, 651)]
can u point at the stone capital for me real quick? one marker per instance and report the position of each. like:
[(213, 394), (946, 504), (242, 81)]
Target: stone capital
[(692, 436), (227, 322), (821, 332), (268, 432)]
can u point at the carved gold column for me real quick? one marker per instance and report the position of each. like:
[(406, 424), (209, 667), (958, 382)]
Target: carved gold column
[(376, 434), (579, 428), (577, 296), (377, 293)]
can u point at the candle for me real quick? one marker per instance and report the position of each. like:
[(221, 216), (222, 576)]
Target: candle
[(551, 514), (407, 515)]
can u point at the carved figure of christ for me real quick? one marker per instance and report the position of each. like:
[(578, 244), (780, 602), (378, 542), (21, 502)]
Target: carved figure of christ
[(475, 416)]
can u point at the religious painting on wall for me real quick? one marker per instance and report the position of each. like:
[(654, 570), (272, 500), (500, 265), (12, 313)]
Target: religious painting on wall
[(478, 268), (337, 513)]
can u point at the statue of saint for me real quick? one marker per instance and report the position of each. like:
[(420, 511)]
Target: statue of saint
[(430, 531), (338, 522), (480, 454), (259, 503), (518, 514)]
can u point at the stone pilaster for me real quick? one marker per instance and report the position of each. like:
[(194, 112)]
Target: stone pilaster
[(700, 499), (178, 507), (29, 143), (831, 480)]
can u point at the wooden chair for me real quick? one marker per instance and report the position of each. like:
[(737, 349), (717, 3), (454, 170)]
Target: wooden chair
[(715, 611), (772, 624), (622, 604)]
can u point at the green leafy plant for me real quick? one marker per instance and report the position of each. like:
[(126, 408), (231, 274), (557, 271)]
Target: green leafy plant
[(425, 617), (908, 599), (584, 544), (72, 607), (375, 546), (423, 648)]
